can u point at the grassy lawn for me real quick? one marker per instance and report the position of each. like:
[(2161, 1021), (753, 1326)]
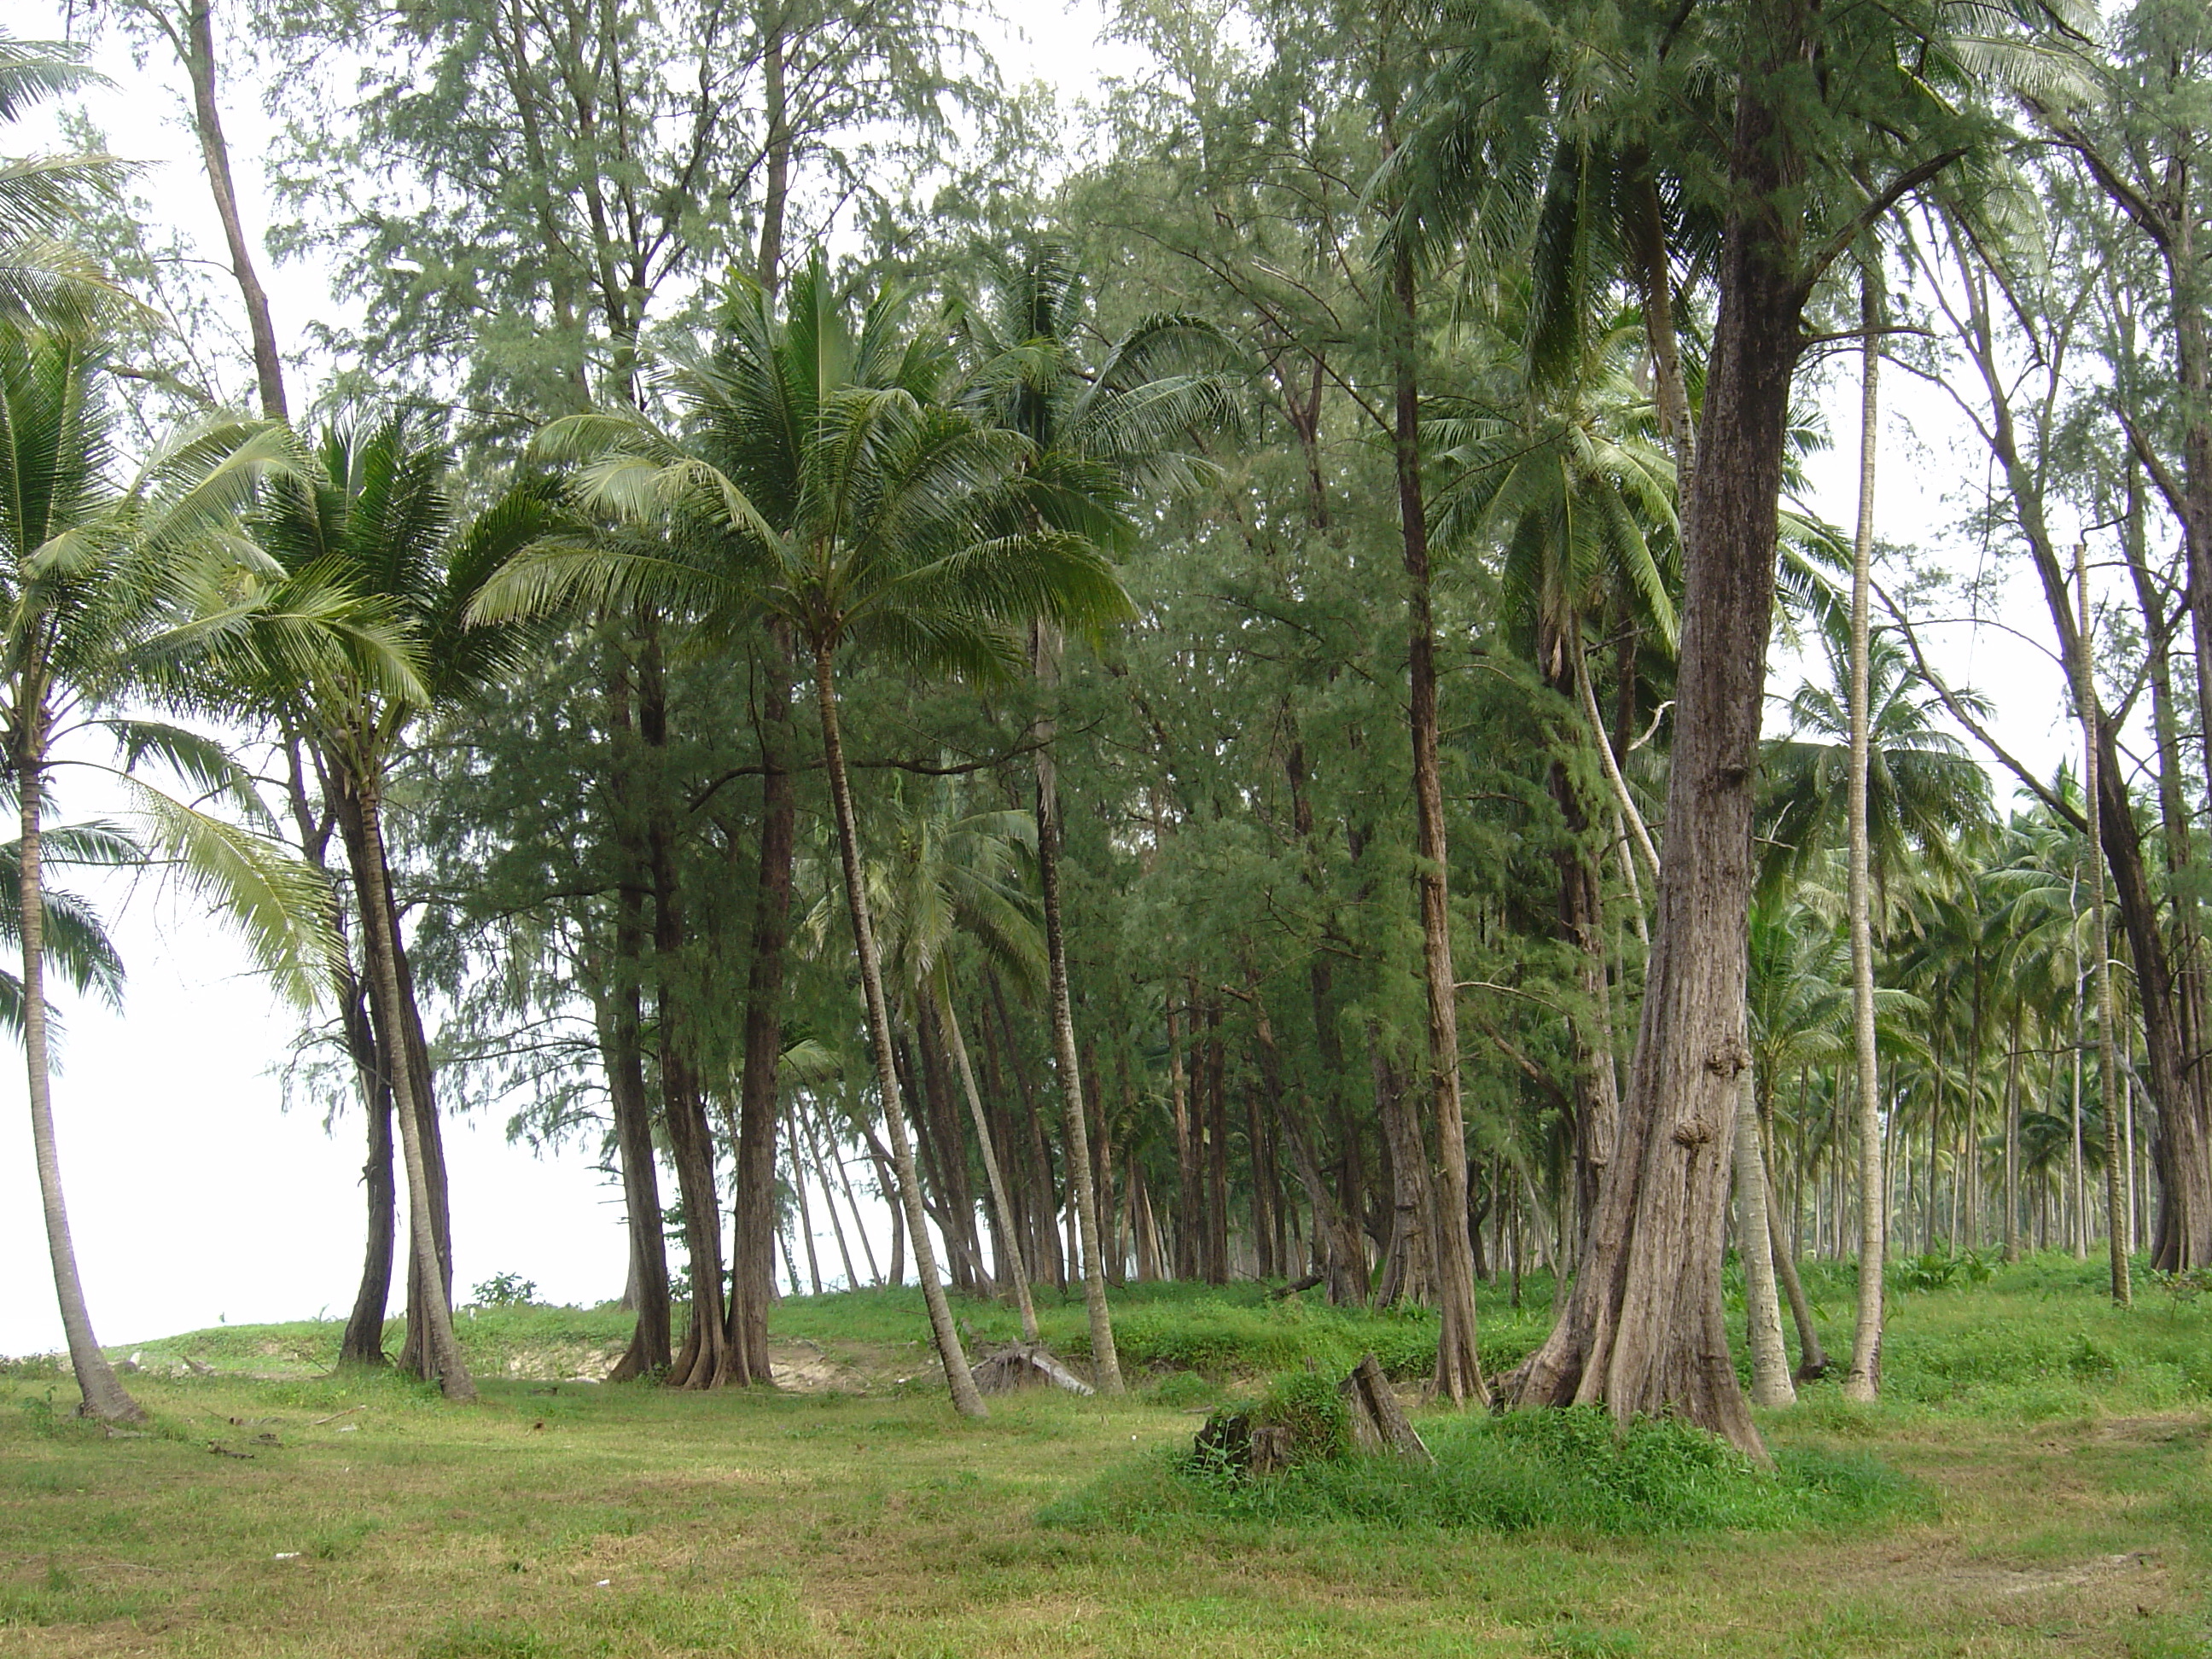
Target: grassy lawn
[(2054, 1450)]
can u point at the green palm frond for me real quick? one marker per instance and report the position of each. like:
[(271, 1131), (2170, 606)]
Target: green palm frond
[(279, 905)]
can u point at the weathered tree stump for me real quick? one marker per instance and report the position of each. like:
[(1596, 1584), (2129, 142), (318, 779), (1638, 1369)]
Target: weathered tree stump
[(1241, 1441), (1379, 1423)]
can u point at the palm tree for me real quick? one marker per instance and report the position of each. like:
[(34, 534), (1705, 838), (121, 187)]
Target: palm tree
[(373, 512), (953, 873), (1893, 784), (44, 280), (827, 487), (1924, 789), (1098, 434), (113, 595), (1578, 499)]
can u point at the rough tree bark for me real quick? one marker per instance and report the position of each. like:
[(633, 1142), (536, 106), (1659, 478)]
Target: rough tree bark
[(1643, 1330)]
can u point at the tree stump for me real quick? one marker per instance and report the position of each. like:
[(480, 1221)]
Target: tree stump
[(1379, 1423)]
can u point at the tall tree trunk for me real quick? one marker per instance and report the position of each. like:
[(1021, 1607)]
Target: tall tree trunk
[(1190, 1198), (1002, 1212), (752, 1265), (1769, 1359), (698, 1363), (198, 48), (362, 1344), (1644, 1330), (2091, 717), (1459, 1367), (426, 1286), (404, 1048), (1812, 1357), (1863, 1381), (958, 1378), (652, 1343), (1105, 1362), (102, 1395)]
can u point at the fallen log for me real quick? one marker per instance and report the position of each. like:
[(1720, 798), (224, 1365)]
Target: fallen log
[(1025, 1366)]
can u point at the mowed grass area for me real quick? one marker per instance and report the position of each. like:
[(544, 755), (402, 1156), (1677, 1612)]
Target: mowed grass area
[(2053, 1452)]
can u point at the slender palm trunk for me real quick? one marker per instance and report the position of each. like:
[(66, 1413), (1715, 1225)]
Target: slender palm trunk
[(2116, 1214), (1863, 1381), (103, 1396), (429, 1283), (1770, 1359), (1105, 1362), (363, 1341), (960, 1380), (1002, 1212)]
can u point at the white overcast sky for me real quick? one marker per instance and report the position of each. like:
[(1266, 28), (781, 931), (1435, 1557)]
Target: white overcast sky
[(195, 1197)]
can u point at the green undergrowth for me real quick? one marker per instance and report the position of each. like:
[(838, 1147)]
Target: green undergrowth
[(1564, 1472), (1219, 1332)]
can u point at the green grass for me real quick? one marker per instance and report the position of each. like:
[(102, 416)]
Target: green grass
[(2035, 1482)]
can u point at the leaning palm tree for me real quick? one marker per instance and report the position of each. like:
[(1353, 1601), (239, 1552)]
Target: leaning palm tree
[(823, 484), (1097, 432), (373, 510), (113, 598)]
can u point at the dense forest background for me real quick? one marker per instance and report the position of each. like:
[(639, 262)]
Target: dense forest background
[(950, 688)]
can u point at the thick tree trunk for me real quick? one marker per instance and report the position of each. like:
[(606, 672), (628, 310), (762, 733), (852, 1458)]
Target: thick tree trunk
[(102, 1395), (427, 1285), (752, 1275), (958, 1378), (1644, 1330)]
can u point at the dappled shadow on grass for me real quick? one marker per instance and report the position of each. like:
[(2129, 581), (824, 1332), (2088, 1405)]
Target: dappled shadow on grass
[(1566, 1472)]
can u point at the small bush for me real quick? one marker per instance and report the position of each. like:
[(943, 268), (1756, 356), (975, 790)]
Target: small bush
[(506, 1290)]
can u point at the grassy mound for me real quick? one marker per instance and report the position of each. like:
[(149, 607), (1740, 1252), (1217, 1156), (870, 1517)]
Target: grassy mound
[(1566, 1472)]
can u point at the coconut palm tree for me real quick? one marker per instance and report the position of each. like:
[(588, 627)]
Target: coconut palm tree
[(373, 511), (823, 484), (44, 280), (112, 597), (1924, 789), (953, 874), (1099, 432)]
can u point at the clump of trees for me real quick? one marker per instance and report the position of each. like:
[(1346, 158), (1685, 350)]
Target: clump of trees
[(1193, 706)]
